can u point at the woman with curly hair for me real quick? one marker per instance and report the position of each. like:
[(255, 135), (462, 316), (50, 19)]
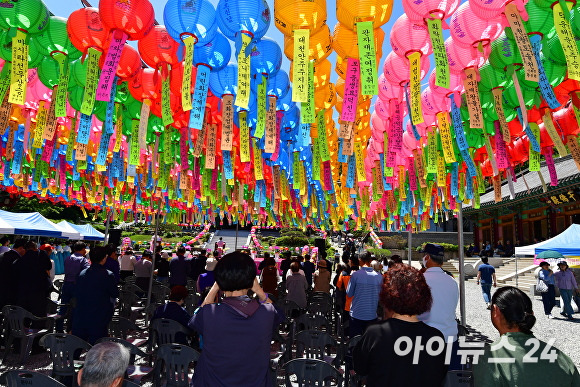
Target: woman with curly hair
[(401, 350)]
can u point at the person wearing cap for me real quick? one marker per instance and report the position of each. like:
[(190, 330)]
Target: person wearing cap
[(486, 276), (364, 288), (322, 278), (144, 270), (445, 294), (206, 279), (32, 278), (173, 309), (548, 297), (566, 282)]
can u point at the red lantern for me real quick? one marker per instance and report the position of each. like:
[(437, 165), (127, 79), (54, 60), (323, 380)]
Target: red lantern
[(85, 29), (134, 18), (177, 78), (146, 84), (158, 48)]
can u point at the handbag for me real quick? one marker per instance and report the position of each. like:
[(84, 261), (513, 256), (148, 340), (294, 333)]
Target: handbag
[(541, 286)]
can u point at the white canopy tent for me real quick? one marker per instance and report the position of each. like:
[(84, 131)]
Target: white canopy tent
[(68, 231), (529, 249)]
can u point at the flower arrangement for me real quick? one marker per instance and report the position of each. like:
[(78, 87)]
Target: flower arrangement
[(254, 238), (200, 235), (376, 241)]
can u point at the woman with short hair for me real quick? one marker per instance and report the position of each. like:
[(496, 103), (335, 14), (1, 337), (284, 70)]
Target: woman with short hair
[(236, 332)]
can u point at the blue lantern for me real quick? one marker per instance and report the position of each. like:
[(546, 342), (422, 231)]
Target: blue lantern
[(224, 81), (251, 16), (278, 85), (215, 53), (266, 57), (190, 17)]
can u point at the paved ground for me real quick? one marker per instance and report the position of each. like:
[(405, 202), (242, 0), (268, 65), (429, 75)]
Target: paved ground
[(229, 236)]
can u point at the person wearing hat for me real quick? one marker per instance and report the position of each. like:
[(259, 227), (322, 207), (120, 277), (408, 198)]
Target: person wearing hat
[(173, 309), (566, 282), (486, 276), (206, 279), (549, 296), (445, 294), (144, 270), (322, 278)]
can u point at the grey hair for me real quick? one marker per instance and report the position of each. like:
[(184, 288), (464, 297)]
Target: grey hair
[(104, 363)]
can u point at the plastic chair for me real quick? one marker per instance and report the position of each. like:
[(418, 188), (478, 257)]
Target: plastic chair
[(121, 327), (126, 301), (163, 331), (17, 325), (65, 350), (311, 344), (135, 372), (351, 378), (191, 302), (15, 378), (320, 306), (131, 287), (312, 322), (173, 361), (160, 292), (311, 372)]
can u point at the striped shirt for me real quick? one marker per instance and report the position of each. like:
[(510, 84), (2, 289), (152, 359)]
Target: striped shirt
[(364, 286)]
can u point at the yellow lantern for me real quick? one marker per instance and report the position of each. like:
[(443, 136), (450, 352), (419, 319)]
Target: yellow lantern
[(292, 14), (349, 12)]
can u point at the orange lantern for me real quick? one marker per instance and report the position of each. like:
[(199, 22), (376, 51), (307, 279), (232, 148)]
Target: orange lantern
[(290, 15)]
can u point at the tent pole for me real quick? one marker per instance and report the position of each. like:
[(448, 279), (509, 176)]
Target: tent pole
[(409, 245), (461, 263), (237, 227), (153, 261), (107, 225)]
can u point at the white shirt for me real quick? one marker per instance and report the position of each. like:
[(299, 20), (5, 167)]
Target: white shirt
[(289, 272), (127, 262), (445, 293)]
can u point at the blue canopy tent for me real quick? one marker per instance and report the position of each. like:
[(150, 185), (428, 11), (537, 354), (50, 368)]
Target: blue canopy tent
[(566, 243), (5, 227), (31, 223), (88, 232)]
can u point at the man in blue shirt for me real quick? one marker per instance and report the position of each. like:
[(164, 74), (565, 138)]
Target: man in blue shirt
[(364, 286), (486, 276)]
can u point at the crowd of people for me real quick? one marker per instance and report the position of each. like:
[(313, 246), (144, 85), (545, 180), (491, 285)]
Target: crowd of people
[(405, 317)]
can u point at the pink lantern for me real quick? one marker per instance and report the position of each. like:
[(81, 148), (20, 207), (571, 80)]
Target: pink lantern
[(470, 31), (377, 123), (409, 141), (432, 103), (382, 109), (396, 69), (461, 58), (387, 91), (417, 11), (455, 83), (491, 9), (407, 36)]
